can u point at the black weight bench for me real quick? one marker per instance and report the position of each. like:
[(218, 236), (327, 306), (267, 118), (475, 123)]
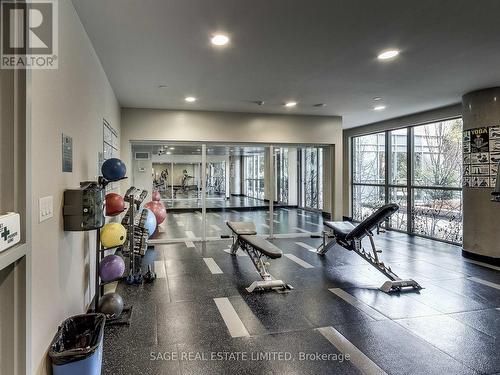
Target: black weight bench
[(245, 236), (349, 236)]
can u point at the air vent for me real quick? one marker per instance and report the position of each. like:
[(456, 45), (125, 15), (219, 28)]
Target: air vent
[(142, 156)]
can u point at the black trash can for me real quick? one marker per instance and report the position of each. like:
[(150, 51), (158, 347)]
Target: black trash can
[(77, 346)]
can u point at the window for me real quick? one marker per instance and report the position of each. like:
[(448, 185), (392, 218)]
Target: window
[(424, 179), (281, 168), (437, 173), (311, 184), (369, 159), (368, 174), (254, 176)]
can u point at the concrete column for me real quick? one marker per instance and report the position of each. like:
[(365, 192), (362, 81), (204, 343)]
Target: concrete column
[(481, 217)]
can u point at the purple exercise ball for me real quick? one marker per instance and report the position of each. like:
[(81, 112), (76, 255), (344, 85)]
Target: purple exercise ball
[(111, 267)]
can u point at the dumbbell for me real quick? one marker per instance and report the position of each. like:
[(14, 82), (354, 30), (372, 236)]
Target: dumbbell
[(150, 276)]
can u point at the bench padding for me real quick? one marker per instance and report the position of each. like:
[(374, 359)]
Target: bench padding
[(262, 245), (340, 228), (242, 227), (347, 231)]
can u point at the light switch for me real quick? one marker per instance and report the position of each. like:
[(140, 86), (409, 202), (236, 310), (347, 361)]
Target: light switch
[(46, 207)]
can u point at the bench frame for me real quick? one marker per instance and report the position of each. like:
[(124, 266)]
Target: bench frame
[(395, 283), (268, 282)]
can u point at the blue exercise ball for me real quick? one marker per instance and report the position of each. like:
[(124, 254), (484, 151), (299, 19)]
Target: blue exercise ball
[(113, 169), (150, 224)]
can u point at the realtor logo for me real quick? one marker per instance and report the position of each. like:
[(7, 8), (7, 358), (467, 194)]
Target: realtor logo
[(29, 34)]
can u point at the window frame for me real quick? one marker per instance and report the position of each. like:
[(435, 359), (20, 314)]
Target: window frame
[(410, 186)]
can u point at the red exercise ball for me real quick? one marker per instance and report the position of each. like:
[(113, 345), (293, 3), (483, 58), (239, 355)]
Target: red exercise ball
[(158, 209), (156, 195), (115, 204)]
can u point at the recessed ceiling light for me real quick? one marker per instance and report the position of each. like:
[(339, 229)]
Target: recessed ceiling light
[(290, 104), (172, 148), (219, 40), (377, 98), (190, 99), (379, 108), (388, 54), (169, 153)]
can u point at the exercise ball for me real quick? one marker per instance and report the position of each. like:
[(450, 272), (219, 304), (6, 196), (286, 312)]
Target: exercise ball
[(150, 224), (156, 195), (158, 209), (115, 204), (113, 169), (111, 267), (111, 304), (113, 234)]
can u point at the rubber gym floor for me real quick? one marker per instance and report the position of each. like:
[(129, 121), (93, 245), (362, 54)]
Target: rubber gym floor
[(194, 310)]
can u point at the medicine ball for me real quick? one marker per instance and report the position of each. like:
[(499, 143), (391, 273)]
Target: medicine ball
[(113, 234), (115, 204), (111, 304), (156, 195), (150, 224), (158, 209), (111, 267), (113, 169)]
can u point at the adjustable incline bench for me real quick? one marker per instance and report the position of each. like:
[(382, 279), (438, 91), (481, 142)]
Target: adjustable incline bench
[(349, 236), (245, 236)]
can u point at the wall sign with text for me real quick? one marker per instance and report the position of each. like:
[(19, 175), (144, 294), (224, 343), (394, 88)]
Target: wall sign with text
[(481, 153)]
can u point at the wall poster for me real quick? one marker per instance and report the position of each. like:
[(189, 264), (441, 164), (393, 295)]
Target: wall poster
[(481, 154)]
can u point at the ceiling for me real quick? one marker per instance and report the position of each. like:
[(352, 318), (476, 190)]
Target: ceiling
[(315, 51)]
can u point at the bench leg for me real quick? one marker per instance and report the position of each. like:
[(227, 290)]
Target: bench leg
[(267, 282), (236, 245), (395, 283), (328, 242)]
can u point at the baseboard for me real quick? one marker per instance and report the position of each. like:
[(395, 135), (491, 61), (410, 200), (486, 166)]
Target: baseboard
[(481, 258)]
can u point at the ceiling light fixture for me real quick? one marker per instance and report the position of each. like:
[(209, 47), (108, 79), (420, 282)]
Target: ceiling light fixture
[(190, 99), (219, 40), (388, 54), (169, 153), (319, 105), (377, 98), (290, 104), (379, 108)]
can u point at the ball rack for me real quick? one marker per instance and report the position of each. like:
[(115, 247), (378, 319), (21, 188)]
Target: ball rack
[(134, 197)]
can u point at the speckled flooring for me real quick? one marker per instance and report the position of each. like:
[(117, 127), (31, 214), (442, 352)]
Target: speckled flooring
[(450, 327)]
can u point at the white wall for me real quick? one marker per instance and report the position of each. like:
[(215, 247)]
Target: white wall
[(73, 99), (203, 126)]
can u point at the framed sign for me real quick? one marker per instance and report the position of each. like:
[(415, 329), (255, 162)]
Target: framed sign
[(481, 154)]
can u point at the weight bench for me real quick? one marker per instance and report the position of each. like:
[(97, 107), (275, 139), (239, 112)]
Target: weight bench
[(349, 236), (245, 236)]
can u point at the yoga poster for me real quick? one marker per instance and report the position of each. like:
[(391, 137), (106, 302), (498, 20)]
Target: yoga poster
[(481, 154)]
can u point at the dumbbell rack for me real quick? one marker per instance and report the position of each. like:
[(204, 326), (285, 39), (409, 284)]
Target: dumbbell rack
[(134, 204)]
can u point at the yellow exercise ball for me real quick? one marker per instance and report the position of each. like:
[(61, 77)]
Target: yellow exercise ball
[(113, 234)]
